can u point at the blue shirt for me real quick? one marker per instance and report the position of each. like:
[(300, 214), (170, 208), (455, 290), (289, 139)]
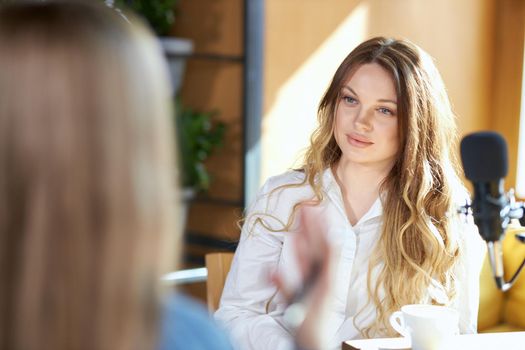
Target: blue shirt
[(187, 325)]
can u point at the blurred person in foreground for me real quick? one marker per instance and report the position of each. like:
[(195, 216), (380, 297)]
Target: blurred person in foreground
[(88, 192)]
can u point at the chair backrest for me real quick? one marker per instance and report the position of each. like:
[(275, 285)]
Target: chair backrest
[(218, 265)]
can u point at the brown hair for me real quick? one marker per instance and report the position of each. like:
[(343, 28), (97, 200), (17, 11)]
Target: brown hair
[(417, 246), (86, 178), (416, 243)]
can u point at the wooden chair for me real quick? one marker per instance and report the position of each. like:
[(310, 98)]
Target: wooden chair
[(218, 265)]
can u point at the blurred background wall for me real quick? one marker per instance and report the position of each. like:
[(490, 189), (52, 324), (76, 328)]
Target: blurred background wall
[(214, 81), (477, 45)]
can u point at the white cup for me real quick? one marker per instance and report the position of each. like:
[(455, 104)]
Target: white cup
[(429, 327)]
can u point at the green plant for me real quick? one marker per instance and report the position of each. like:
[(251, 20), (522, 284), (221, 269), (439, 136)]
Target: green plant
[(197, 136), (160, 14)]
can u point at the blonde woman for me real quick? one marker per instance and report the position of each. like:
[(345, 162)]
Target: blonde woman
[(87, 185), (380, 178)]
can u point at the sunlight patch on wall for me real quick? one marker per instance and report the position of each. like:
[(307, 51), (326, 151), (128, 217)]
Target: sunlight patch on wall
[(292, 118), (520, 176)]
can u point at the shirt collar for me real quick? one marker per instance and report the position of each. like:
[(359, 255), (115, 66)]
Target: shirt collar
[(333, 191)]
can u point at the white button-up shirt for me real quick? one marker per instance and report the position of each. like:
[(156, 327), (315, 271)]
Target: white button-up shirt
[(251, 307)]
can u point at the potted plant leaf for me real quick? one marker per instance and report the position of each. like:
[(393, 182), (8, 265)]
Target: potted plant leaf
[(198, 135), (160, 14)]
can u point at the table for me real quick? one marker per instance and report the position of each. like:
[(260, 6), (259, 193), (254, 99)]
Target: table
[(481, 341)]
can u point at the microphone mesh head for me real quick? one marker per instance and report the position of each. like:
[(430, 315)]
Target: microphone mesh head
[(484, 156)]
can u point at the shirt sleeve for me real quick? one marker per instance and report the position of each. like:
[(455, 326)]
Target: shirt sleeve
[(243, 309), (468, 272)]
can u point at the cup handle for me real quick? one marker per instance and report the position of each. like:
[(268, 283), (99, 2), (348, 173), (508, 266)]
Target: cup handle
[(398, 323)]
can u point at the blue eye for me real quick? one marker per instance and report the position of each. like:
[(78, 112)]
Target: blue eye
[(349, 100), (385, 111)]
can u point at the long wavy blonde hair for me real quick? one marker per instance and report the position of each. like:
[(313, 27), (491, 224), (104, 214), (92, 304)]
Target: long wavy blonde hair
[(417, 246)]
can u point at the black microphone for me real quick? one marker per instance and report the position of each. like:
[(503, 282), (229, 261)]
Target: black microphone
[(484, 158)]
